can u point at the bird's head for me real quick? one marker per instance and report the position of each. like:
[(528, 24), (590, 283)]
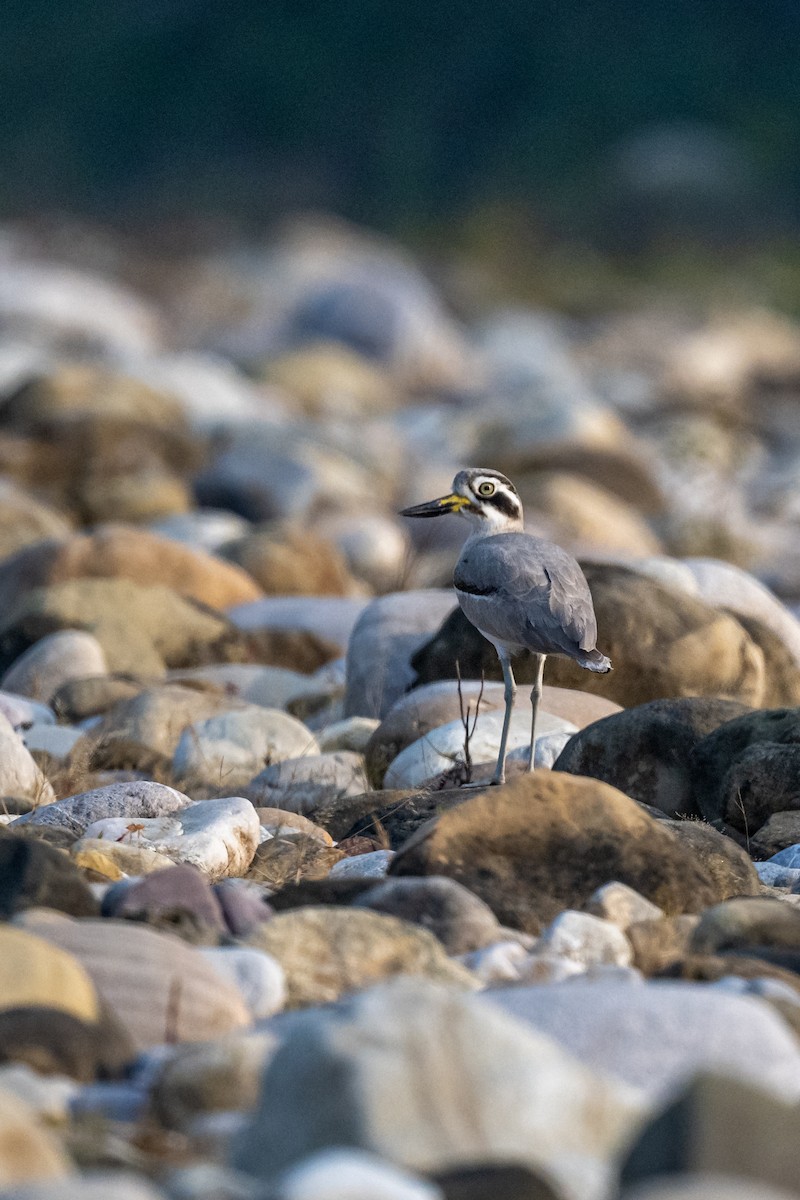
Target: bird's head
[(486, 498)]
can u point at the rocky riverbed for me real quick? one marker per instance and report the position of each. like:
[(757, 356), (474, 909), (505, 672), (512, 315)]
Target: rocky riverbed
[(260, 940)]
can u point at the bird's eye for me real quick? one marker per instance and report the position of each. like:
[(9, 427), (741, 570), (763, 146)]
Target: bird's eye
[(486, 489)]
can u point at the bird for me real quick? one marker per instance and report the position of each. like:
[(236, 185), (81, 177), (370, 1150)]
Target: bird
[(521, 592)]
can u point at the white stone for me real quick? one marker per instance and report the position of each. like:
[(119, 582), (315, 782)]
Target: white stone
[(659, 1035), (49, 1096), (132, 800), (259, 977), (726, 586), (56, 740), (57, 302), (103, 1185), (622, 905), (300, 785), (214, 394), (270, 687), (372, 865), (352, 733), (205, 529), (548, 748), (501, 962), (22, 712), (443, 747), (586, 939), (54, 660), (234, 746), (218, 836), (19, 774), (351, 1175)]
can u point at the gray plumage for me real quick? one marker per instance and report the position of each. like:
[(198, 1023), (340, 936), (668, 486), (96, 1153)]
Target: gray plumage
[(529, 594), (520, 591)]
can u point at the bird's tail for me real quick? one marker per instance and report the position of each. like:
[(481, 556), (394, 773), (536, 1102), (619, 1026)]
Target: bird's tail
[(593, 660)]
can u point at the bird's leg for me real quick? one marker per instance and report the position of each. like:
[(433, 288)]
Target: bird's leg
[(536, 695), (508, 695)]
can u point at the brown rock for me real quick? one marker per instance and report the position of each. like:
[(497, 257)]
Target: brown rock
[(725, 863), (546, 841), (289, 860), (140, 628), (143, 732), (659, 943), (743, 925), (285, 561), (281, 823), (121, 552), (587, 515), (328, 378), (708, 968), (25, 520), (389, 814), (294, 649), (136, 496), (723, 1129), (782, 686), (29, 1153), (781, 830), (90, 697), (53, 1042), (329, 951), (73, 389)]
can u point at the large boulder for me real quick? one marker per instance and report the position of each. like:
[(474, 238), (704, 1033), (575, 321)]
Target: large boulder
[(382, 643), (743, 771), (657, 1036), (644, 751), (426, 1074), (661, 643), (327, 951), (546, 841), (122, 552)]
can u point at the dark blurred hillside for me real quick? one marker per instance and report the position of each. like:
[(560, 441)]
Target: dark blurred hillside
[(403, 112)]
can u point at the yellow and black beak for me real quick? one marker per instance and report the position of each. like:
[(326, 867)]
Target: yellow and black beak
[(437, 508)]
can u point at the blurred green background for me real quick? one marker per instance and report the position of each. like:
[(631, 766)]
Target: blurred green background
[(661, 138)]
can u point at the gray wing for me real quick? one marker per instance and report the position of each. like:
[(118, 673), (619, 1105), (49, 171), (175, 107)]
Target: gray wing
[(527, 592)]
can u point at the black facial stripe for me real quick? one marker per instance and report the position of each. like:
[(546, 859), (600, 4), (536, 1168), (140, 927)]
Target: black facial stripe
[(508, 506)]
